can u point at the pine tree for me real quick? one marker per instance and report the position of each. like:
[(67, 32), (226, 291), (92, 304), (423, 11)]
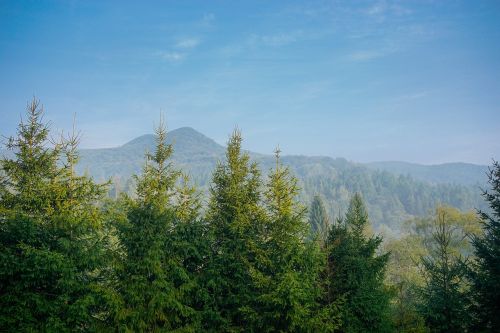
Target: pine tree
[(52, 247), (153, 283), (444, 302), (288, 265), (355, 274), (190, 243), (234, 217), (486, 274), (318, 218)]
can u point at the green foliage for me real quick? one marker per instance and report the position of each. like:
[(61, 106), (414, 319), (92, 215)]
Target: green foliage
[(155, 286), (154, 260), (318, 218), (234, 217), (404, 274), (356, 274), (52, 247), (287, 282), (404, 277), (451, 173), (390, 198), (444, 302), (486, 273)]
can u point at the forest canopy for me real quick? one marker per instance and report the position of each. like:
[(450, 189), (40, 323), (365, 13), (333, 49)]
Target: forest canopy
[(254, 257)]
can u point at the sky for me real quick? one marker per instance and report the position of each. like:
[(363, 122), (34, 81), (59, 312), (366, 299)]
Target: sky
[(415, 81)]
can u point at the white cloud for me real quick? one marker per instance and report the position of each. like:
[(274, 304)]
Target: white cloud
[(278, 39), (384, 8), (187, 43), (378, 8), (171, 56), (179, 51)]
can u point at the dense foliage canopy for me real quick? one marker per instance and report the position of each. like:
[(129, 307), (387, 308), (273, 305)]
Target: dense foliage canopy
[(252, 258)]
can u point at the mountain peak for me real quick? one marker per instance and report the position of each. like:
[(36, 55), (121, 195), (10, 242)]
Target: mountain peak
[(183, 139)]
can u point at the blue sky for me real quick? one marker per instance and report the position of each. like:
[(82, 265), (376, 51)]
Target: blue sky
[(416, 81)]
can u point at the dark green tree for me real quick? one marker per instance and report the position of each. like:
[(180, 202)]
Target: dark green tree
[(444, 302), (51, 276), (235, 217), (355, 273), (318, 218), (486, 273), (154, 285)]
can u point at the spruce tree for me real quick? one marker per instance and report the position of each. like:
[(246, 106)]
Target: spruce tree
[(288, 265), (234, 216), (153, 284), (52, 259), (318, 218), (355, 272), (190, 243), (485, 276), (444, 303)]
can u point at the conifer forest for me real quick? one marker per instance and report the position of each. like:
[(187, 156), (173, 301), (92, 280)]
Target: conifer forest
[(246, 256), (234, 166)]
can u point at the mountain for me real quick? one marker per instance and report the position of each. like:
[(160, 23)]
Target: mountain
[(193, 152), (454, 173), (393, 191)]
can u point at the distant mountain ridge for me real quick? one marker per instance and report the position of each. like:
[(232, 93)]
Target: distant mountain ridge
[(393, 191), (191, 149), (456, 173)]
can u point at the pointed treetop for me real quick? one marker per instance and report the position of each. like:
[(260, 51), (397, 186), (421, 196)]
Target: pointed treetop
[(156, 184), (277, 155), (357, 216)]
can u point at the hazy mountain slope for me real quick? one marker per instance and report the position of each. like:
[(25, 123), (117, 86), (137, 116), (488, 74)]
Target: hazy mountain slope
[(456, 173), (390, 198), (193, 152)]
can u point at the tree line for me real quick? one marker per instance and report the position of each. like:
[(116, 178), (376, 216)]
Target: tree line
[(251, 259)]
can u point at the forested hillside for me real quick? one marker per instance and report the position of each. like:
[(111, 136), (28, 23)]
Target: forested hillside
[(390, 197), (254, 259), (451, 173)]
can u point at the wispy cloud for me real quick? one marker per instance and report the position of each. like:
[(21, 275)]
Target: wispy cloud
[(383, 8), (379, 8), (261, 41), (279, 39), (171, 56), (187, 43), (179, 50)]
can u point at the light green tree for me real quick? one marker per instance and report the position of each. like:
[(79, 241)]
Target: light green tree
[(53, 249), (235, 218)]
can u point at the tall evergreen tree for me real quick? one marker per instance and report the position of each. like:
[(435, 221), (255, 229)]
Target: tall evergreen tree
[(234, 217), (318, 218), (355, 273), (152, 280), (190, 243), (288, 265), (444, 303), (51, 276), (486, 273)]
